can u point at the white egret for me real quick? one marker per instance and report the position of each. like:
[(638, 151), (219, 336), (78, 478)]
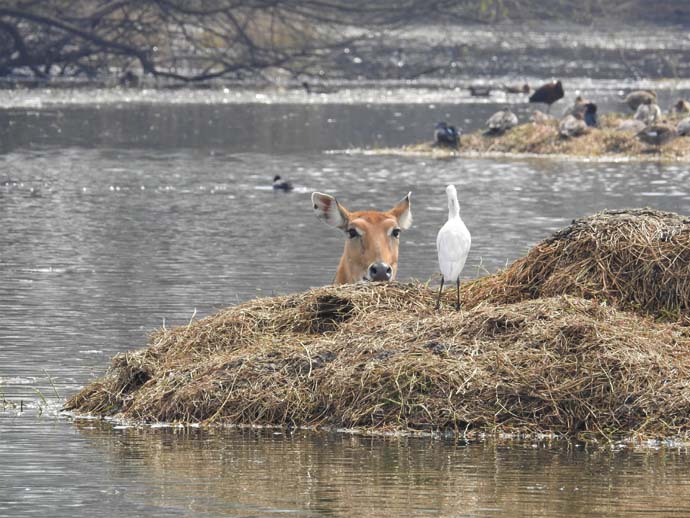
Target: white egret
[(453, 244)]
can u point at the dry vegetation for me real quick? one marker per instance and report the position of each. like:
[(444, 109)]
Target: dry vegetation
[(543, 139), (587, 334)]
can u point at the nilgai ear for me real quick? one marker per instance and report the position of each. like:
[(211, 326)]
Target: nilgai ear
[(329, 211), (403, 212)]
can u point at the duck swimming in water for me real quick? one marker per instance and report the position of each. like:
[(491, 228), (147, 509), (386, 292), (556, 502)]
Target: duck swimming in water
[(446, 136), (281, 185), (480, 90)]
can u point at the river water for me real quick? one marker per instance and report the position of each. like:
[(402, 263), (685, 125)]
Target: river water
[(124, 211)]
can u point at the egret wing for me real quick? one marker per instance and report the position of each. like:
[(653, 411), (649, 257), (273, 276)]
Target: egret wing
[(453, 244)]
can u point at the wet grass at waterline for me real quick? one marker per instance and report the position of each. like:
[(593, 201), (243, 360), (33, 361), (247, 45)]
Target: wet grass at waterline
[(553, 344), (530, 138)]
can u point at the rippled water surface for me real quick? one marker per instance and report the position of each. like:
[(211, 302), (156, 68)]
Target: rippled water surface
[(118, 216)]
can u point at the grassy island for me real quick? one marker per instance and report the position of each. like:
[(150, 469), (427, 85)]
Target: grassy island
[(588, 334), (530, 139)]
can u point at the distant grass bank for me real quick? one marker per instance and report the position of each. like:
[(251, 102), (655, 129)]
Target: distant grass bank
[(543, 139)]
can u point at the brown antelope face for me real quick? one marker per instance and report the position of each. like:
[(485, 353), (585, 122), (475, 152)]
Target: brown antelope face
[(372, 238)]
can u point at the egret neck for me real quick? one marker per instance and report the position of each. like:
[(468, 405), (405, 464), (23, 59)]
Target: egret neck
[(453, 204)]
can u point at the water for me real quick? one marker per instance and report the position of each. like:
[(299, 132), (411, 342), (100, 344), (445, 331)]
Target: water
[(196, 473), (121, 212)]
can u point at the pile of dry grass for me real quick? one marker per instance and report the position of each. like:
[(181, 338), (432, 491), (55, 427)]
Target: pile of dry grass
[(636, 259), (378, 357), (543, 139)]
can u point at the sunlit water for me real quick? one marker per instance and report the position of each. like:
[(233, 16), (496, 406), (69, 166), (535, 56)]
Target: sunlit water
[(118, 217)]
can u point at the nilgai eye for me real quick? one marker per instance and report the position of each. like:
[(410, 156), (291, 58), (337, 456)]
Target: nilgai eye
[(352, 233), (396, 232)]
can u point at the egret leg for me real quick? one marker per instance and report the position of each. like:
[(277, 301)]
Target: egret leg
[(457, 307), (438, 301)]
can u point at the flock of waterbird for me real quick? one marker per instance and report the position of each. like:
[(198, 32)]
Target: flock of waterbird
[(647, 123)]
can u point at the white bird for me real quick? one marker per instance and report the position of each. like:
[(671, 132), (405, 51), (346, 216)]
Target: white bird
[(453, 244)]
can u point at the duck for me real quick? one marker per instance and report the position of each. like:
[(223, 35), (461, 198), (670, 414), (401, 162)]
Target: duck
[(648, 112), (129, 80), (514, 89), (637, 97), (445, 135), (577, 107), (590, 114), (317, 88), (548, 93), (657, 134), (681, 107), (281, 185), (539, 117), (633, 125), (501, 121), (572, 126), (480, 90), (683, 127)]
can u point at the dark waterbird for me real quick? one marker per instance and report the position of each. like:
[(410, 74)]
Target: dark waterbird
[(591, 114), (548, 94), (446, 136), (480, 90), (281, 185)]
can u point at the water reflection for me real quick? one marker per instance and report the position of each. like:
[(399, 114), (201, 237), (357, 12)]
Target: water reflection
[(334, 475)]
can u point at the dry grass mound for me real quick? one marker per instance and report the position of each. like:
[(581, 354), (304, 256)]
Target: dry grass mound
[(637, 259), (543, 139), (377, 357), (569, 339)]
